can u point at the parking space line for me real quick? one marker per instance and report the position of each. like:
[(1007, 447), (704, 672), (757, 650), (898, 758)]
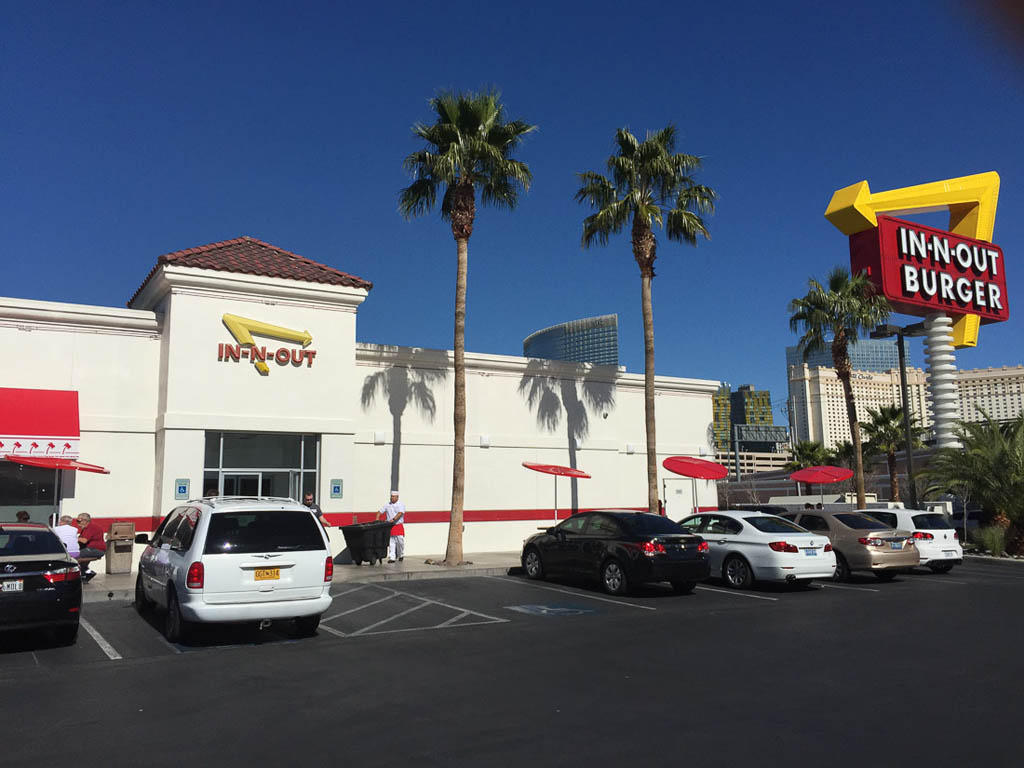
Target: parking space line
[(430, 629), (444, 605), (856, 589), (350, 591), (389, 618), (332, 630), (106, 647), (453, 619), (927, 580), (738, 594), (358, 608), (574, 594)]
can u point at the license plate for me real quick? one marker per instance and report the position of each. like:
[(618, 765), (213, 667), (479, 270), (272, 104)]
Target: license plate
[(811, 552), (895, 545), (268, 574), (14, 585)]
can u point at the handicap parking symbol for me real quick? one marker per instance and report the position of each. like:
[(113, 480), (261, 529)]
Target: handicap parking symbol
[(181, 488), (549, 610)]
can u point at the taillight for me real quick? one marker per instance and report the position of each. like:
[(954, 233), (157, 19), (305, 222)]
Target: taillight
[(328, 569), (922, 535), (783, 546), (828, 547), (956, 535), (652, 547), (870, 542), (63, 574), (194, 577), (703, 547)]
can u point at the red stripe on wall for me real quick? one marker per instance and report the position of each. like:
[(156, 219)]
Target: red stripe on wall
[(146, 524)]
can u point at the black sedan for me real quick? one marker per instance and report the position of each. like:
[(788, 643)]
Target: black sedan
[(618, 548), (40, 583)]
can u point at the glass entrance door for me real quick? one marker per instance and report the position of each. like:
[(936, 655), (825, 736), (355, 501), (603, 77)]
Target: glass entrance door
[(241, 484)]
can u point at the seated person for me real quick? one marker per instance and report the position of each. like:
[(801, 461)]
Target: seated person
[(92, 545), (23, 516), (68, 535)]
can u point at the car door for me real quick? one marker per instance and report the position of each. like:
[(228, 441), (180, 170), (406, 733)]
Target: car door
[(155, 563), (566, 545), (721, 532), (599, 537)]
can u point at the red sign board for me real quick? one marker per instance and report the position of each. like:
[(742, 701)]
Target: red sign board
[(923, 270)]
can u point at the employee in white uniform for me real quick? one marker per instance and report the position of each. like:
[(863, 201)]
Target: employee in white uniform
[(394, 512)]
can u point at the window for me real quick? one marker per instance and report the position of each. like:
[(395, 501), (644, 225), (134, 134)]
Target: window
[(272, 530), (185, 530), (165, 533), (859, 522), (644, 524), (37, 542), (261, 464), (889, 518), (813, 522), (931, 522), (693, 524), (604, 527), (574, 524), (773, 525), (723, 525)]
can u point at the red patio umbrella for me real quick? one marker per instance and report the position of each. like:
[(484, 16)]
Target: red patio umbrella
[(556, 470), (821, 475), (695, 469)]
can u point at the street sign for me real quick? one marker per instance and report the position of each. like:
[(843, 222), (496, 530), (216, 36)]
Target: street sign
[(181, 488), (336, 489)]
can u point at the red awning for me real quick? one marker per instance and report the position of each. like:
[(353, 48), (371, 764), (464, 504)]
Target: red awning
[(55, 462), (38, 423), (555, 469), (688, 466), (818, 475)]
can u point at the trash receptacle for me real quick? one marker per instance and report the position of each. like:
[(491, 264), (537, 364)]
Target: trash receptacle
[(120, 540), (367, 541)]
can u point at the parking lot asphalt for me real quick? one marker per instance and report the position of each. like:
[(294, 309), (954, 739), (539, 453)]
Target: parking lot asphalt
[(499, 670)]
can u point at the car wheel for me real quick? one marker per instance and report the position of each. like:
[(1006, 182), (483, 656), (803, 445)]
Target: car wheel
[(737, 573), (357, 560), (175, 627), (66, 635), (684, 587), (142, 603), (885, 575), (613, 577), (532, 564), (305, 626), (941, 568), (842, 569)]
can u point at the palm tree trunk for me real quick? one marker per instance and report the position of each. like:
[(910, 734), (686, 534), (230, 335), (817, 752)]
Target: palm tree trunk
[(453, 555), (652, 451), (858, 456), (894, 481)]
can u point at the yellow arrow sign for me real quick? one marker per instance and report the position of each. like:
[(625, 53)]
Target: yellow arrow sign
[(242, 328), (970, 200)]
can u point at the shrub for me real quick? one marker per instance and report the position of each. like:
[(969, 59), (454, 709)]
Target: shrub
[(992, 538)]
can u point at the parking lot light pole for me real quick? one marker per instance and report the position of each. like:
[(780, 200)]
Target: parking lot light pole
[(883, 332)]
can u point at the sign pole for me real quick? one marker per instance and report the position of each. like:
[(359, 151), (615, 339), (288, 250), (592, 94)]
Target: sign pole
[(555, 478)]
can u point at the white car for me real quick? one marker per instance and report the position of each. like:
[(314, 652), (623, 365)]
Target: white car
[(745, 546), (236, 560), (938, 542)]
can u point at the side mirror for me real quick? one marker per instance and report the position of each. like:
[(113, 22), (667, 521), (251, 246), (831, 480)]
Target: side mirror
[(141, 538)]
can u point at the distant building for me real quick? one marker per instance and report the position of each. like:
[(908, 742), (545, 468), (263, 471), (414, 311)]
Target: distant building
[(879, 355), (721, 410), (747, 408), (589, 340), (818, 408)]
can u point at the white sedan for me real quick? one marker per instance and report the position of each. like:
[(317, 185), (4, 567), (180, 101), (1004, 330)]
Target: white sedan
[(745, 546)]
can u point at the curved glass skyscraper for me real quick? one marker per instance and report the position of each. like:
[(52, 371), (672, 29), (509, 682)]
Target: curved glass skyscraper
[(590, 340)]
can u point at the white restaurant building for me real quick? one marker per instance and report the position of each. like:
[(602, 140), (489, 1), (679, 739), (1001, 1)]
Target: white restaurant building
[(235, 369)]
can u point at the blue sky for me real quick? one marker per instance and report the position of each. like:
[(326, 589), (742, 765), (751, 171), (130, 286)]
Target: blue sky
[(134, 129)]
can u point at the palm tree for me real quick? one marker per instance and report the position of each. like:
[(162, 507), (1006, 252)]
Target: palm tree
[(650, 184), (848, 307), (991, 465), (808, 453), (468, 150), (885, 435)]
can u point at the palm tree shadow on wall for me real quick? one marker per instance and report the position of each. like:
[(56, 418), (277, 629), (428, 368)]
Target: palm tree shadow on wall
[(405, 383), (571, 391)]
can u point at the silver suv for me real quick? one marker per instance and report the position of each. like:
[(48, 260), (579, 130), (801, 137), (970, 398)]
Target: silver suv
[(236, 559)]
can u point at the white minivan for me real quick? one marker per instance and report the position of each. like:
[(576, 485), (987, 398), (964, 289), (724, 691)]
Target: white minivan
[(235, 559)]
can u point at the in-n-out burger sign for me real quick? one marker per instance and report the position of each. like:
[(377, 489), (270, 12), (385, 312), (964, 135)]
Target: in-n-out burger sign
[(242, 328), (917, 267)]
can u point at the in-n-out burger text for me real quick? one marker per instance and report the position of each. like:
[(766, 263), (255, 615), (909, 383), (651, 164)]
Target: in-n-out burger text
[(282, 356), (919, 267)]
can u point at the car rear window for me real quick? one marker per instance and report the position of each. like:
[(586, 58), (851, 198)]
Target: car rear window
[(889, 518), (271, 530), (772, 524), (14, 543), (650, 525), (931, 522), (860, 522)]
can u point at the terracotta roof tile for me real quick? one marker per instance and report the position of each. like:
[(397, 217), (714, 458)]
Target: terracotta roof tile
[(254, 257)]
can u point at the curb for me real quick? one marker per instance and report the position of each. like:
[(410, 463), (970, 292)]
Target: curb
[(999, 562), (110, 596)]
